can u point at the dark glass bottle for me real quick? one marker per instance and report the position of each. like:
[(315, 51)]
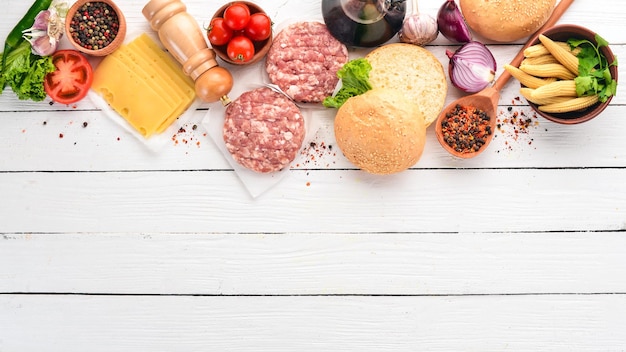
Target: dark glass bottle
[(363, 23)]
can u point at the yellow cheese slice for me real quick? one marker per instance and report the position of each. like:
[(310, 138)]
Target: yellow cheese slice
[(144, 85), (130, 96), (151, 78), (163, 63), (149, 44), (165, 75), (152, 49)]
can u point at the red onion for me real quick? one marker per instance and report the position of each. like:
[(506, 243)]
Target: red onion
[(472, 67), (452, 24)]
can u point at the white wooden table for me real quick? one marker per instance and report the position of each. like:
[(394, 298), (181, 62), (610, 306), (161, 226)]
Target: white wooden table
[(108, 246)]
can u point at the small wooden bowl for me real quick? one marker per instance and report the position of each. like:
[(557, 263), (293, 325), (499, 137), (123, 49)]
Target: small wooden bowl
[(113, 45), (439, 132), (563, 33), (260, 48)]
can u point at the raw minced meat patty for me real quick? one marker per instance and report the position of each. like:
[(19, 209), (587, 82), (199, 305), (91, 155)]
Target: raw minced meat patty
[(263, 130), (303, 61)]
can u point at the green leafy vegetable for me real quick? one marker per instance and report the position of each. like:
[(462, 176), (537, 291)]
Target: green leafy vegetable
[(25, 72), (594, 76), (354, 77)]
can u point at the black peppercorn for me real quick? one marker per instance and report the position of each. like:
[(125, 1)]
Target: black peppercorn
[(94, 25)]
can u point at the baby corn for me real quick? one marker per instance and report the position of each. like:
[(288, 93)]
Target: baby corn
[(539, 60), (540, 49), (563, 56), (527, 93), (548, 70), (526, 79), (566, 88), (573, 104)]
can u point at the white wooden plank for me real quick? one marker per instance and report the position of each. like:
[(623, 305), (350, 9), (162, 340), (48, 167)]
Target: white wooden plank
[(316, 201), (58, 141), (369, 324), (311, 264)]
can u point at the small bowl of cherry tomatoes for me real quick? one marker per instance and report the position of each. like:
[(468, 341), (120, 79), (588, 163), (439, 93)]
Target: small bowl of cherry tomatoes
[(240, 33)]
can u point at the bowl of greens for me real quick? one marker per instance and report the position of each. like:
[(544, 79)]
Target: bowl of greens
[(576, 72)]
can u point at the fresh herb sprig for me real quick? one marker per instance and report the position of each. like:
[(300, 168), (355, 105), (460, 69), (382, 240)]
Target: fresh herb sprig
[(594, 76)]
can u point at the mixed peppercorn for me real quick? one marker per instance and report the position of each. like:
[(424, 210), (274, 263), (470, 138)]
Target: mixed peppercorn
[(94, 25), (465, 128)]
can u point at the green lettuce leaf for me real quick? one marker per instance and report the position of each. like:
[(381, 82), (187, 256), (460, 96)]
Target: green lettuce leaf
[(354, 76), (25, 72)]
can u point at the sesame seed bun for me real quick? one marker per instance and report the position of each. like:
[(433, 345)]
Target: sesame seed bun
[(414, 71), (381, 131), (506, 21)]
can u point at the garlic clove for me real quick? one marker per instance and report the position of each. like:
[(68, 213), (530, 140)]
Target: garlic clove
[(419, 29)]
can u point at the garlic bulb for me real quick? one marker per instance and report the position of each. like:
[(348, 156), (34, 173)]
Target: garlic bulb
[(418, 29)]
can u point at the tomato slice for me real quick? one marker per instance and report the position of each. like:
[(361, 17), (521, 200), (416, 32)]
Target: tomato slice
[(72, 78)]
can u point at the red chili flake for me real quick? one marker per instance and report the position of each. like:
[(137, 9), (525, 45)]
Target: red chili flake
[(465, 128), (60, 135)]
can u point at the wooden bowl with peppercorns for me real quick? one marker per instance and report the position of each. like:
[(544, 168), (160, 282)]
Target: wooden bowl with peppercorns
[(95, 27), (464, 131)]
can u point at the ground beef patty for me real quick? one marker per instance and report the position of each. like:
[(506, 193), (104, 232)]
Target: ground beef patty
[(303, 61), (263, 130)]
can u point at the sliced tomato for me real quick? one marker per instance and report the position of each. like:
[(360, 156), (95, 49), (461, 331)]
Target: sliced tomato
[(72, 78)]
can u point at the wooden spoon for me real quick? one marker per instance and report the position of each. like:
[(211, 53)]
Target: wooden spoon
[(487, 99)]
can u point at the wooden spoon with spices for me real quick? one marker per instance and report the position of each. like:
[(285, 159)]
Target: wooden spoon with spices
[(487, 99)]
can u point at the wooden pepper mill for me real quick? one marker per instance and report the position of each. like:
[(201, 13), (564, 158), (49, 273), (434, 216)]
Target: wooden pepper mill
[(180, 34)]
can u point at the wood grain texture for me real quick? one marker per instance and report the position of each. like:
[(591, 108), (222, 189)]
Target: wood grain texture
[(323, 323), (314, 264), (467, 200), (108, 246)]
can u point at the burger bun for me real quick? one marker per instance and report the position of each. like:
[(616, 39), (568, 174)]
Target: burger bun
[(412, 70), (506, 21), (381, 131)]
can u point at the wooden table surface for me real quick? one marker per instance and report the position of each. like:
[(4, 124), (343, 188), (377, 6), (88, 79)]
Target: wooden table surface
[(107, 245)]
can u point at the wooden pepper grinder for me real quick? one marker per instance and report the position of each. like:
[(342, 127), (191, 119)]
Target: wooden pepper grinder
[(180, 34)]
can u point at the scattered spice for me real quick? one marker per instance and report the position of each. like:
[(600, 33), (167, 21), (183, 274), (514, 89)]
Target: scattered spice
[(315, 154), (515, 125), (465, 128), (94, 25), (85, 124), (186, 135), (60, 135)]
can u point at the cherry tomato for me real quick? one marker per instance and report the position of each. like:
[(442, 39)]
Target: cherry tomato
[(240, 48), (218, 33), (236, 16), (259, 27), (72, 78)]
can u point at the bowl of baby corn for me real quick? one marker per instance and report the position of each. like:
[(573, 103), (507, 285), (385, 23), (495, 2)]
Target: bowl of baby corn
[(568, 74)]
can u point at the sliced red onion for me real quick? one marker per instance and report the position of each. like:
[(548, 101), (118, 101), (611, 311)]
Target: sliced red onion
[(472, 67), (452, 24)]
